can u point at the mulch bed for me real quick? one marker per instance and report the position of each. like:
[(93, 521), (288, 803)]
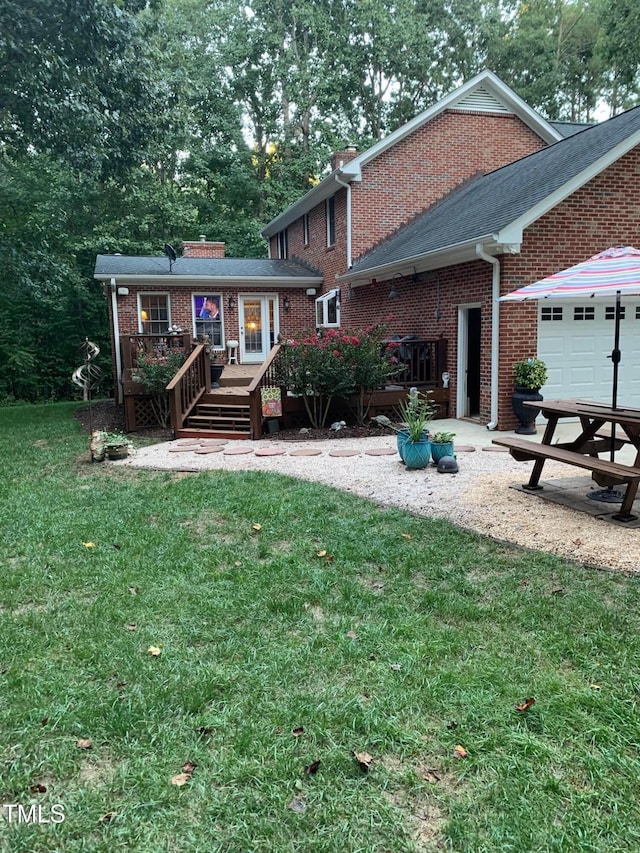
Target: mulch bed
[(109, 416)]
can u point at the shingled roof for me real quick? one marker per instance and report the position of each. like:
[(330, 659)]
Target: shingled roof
[(510, 197), (243, 269)]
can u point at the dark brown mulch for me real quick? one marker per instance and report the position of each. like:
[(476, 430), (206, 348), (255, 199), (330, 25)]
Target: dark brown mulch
[(109, 416)]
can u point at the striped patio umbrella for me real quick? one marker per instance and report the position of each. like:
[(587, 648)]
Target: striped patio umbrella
[(614, 272)]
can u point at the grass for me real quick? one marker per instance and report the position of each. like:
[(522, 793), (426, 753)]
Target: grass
[(405, 639)]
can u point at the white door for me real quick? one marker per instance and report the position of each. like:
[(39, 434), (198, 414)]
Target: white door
[(574, 340), (258, 326)]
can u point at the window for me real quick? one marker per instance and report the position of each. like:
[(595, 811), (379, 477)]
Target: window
[(154, 317), (283, 244), (587, 313), (207, 317), (305, 229), (610, 312), (551, 312), (328, 309), (331, 221)]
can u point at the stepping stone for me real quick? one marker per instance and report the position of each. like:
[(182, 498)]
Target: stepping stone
[(465, 448), (270, 451), (237, 451), (381, 451), (187, 448), (491, 448), (212, 442), (344, 453), (203, 450), (306, 451), (183, 442)]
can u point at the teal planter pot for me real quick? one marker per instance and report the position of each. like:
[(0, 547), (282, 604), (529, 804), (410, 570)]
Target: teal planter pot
[(444, 448), (417, 453), (402, 437)]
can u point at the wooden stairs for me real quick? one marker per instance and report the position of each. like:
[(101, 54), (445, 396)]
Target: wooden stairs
[(222, 413)]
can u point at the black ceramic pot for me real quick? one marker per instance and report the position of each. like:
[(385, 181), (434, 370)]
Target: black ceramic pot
[(526, 415), (216, 373)]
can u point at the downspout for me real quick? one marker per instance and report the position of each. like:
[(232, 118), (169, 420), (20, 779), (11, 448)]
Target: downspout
[(116, 335), (347, 186), (495, 332)]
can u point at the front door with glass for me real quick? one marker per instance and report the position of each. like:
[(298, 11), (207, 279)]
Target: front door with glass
[(258, 327)]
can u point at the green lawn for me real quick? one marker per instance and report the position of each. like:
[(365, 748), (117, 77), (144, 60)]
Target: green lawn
[(404, 640)]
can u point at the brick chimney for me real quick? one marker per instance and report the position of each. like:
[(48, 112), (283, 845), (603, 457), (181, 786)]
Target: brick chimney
[(202, 248), (340, 158)]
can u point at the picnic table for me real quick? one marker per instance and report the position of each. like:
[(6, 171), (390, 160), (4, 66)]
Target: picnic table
[(603, 429)]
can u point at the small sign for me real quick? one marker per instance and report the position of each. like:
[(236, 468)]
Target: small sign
[(271, 402)]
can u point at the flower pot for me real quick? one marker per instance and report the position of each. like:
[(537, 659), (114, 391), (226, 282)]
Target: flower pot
[(525, 414), (402, 437), (440, 449), (117, 451), (417, 453), (216, 373)]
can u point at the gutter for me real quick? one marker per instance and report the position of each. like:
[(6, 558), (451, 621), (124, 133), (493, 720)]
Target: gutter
[(116, 334), (495, 332), (347, 186)]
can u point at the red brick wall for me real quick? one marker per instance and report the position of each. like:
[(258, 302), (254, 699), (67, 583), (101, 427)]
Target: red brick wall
[(426, 165), (202, 249)]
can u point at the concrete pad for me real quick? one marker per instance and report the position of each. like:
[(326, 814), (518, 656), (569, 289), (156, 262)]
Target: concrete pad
[(270, 451), (238, 450), (381, 451), (305, 451), (344, 453)]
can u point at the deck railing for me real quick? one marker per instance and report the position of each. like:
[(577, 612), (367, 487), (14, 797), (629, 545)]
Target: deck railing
[(420, 363), (265, 377), (190, 383), (134, 347)]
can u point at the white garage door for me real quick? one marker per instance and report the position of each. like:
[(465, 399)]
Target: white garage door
[(575, 338)]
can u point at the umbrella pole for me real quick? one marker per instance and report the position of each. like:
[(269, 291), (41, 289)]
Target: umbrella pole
[(611, 495)]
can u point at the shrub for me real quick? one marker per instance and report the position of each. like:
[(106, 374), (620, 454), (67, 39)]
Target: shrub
[(530, 373), (155, 371)]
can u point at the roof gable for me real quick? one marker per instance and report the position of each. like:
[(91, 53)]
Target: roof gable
[(483, 93), (499, 205)]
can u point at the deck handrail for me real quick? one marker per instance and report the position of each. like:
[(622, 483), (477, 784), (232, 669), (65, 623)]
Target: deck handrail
[(190, 383), (263, 377)]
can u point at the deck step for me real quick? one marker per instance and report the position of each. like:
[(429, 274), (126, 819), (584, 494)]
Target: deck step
[(221, 417)]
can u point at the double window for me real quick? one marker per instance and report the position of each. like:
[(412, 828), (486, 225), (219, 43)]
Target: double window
[(328, 309), (153, 313), (207, 312)]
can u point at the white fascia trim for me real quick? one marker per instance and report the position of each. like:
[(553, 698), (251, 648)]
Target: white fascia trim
[(201, 281), (549, 202), (319, 193), (457, 253)]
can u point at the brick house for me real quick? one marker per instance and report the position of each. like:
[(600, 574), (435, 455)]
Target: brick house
[(476, 196)]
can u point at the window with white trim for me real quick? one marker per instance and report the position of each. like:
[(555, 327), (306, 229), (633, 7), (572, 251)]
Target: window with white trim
[(283, 244), (331, 221), (154, 317), (328, 309), (610, 312), (551, 312), (584, 313)]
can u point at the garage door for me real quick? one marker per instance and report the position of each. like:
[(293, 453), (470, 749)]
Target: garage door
[(575, 338)]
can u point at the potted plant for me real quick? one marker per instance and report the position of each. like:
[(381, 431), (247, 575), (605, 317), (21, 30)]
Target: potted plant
[(441, 445), (415, 413), (113, 445), (216, 365), (530, 374)]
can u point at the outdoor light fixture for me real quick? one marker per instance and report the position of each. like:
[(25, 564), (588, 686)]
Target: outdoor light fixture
[(286, 304), (231, 303), (394, 293)]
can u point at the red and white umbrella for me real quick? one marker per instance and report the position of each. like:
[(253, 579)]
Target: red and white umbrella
[(614, 272)]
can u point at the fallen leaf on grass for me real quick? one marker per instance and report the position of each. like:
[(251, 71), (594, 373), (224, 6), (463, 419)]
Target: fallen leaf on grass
[(352, 635), (594, 686), (312, 769), (395, 667), (132, 627), (116, 546), (321, 554), (189, 767), (298, 731), (84, 743), (297, 805), (430, 775), (256, 527), (204, 730), (459, 752), (237, 564), (407, 536), (524, 706), (44, 721), (89, 544), (559, 590), (134, 590), (180, 779), (38, 788), (452, 725), (109, 816), (364, 760), (154, 651)]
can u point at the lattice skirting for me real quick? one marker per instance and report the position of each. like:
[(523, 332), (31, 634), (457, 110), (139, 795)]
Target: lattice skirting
[(139, 413)]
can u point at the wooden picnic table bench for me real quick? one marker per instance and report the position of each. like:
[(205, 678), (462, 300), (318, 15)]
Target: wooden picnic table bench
[(595, 437)]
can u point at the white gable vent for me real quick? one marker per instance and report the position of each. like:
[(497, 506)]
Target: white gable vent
[(480, 100)]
